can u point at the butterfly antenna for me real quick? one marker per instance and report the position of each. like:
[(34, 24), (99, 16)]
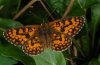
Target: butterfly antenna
[(46, 16)]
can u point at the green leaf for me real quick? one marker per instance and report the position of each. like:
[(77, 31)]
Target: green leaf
[(84, 41), (87, 3), (11, 51), (95, 22), (95, 61), (8, 23), (8, 8), (58, 5), (61, 5), (7, 60), (49, 57), (99, 58)]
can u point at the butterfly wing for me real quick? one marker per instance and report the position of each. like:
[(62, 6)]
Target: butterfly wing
[(33, 46), (18, 36), (60, 42), (70, 26)]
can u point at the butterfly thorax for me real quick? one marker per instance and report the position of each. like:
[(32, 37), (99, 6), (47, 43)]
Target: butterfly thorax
[(43, 29), (44, 34)]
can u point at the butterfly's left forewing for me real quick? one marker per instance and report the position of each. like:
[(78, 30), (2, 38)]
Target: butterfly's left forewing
[(18, 36)]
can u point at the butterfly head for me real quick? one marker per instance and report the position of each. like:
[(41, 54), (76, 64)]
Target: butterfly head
[(44, 28)]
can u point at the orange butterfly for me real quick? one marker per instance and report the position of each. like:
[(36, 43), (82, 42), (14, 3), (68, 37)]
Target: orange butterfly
[(36, 38)]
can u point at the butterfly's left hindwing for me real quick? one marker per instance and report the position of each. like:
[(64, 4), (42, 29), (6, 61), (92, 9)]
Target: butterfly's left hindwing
[(33, 46)]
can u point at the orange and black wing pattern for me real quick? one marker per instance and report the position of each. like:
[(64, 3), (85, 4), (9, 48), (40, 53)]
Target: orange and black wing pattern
[(27, 38), (18, 36), (60, 42), (63, 30), (33, 46), (69, 26), (34, 39)]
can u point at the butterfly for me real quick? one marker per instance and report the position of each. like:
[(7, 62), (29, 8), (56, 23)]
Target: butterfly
[(34, 39)]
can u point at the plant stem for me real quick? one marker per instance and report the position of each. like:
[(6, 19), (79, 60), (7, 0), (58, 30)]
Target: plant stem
[(24, 9), (68, 8), (46, 9)]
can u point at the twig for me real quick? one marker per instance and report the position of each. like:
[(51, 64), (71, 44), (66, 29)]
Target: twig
[(24, 9), (68, 8), (77, 45), (75, 51), (46, 9), (71, 61)]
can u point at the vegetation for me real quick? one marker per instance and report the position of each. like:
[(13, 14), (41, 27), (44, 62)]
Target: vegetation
[(86, 45)]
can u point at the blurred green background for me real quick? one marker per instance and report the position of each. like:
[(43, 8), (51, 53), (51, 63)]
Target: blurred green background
[(86, 45)]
